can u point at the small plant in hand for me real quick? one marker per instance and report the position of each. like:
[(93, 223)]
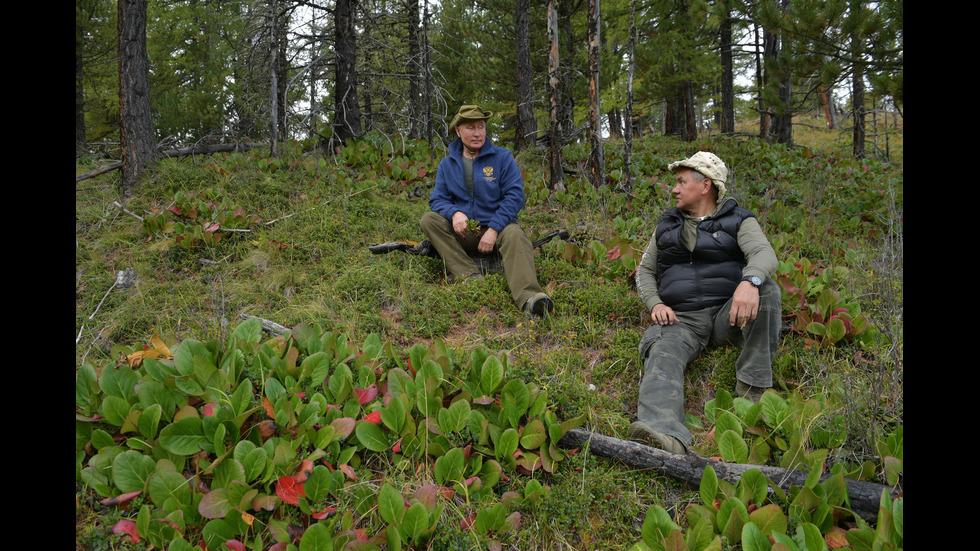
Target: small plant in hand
[(473, 226)]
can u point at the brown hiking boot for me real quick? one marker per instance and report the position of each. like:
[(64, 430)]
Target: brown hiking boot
[(749, 392), (641, 432)]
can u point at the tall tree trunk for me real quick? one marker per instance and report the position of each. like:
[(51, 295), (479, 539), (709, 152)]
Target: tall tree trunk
[(273, 80), (555, 182), (727, 119), (527, 126), (627, 182), (427, 74), (347, 119), (857, 82), (136, 123), (784, 109), (690, 112), (596, 157), (566, 103), (79, 86), (770, 49), (414, 63)]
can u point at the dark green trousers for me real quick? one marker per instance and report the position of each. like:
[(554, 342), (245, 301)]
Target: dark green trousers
[(516, 252)]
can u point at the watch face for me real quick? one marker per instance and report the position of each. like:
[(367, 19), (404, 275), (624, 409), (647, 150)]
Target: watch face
[(755, 280)]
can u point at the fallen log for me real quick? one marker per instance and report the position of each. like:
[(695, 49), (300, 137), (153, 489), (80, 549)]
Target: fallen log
[(864, 496), (199, 149)]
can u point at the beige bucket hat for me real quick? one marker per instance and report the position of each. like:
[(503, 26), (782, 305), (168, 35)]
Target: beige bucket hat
[(470, 113), (708, 164)]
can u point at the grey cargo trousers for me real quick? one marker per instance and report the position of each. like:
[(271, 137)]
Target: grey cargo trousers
[(666, 350)]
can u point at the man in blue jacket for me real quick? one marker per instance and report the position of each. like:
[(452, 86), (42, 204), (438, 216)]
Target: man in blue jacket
[(478, 192)]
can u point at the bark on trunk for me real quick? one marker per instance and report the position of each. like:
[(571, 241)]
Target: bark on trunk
[(347, 119), (136, 123), (864, 496), (527, 126)]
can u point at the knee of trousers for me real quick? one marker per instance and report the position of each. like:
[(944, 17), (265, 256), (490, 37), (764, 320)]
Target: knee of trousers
[(770, 296), (513, 237), (433, 222)]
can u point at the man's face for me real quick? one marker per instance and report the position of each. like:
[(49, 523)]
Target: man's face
[(473, 134), (689, 191)]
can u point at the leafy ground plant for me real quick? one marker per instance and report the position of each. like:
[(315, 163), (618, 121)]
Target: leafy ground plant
[(220, 434)]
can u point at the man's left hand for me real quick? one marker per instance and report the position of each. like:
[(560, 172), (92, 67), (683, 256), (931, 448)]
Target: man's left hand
[(487, 242), (745, 304)]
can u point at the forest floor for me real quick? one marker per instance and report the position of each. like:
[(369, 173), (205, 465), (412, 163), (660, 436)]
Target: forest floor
[(311, 264)]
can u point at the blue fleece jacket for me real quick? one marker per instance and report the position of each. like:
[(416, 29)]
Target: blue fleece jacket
[(498, 186)]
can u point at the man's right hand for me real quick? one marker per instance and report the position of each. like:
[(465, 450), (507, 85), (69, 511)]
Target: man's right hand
[(663, 314), (459, 223)]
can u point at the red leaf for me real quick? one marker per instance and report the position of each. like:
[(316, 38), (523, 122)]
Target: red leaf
[(373, 417), (365, 395), (128, 527), (348, 471), (303, 471), (326, 513), (209, 409), (121, 498), (268, 408), (289, 490), (235, 545), (397, 447)]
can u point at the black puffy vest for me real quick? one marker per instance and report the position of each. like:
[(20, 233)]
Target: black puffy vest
[(707, 276)]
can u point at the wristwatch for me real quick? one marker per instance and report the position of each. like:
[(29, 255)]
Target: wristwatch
[(754, 280)]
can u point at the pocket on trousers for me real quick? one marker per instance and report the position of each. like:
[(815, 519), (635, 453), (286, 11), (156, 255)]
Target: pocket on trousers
[(650, 337)]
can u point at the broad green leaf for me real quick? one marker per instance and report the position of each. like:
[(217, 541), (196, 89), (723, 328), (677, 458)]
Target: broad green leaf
[(249, 331), (507, 444), (86, 386), (753, 539), (185, 354), (391, 504), (167, 485), (727, 421), (131, 470), (254, 463), (449, 467), (149, 421), (491, 375), (769, 519), (656, 526), (709, 486), (372, 436), (115, 410), (318, 537), (415, 521), (155, 393), (316, 367), (393, 415), (533, 435), (732, 447), (754, 487), (118, 382), (319, 484), (185, 437), (732, 516), (215, 504), (811, 536), (514, 401)]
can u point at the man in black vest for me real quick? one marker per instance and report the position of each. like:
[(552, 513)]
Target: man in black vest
[(706, 278)]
